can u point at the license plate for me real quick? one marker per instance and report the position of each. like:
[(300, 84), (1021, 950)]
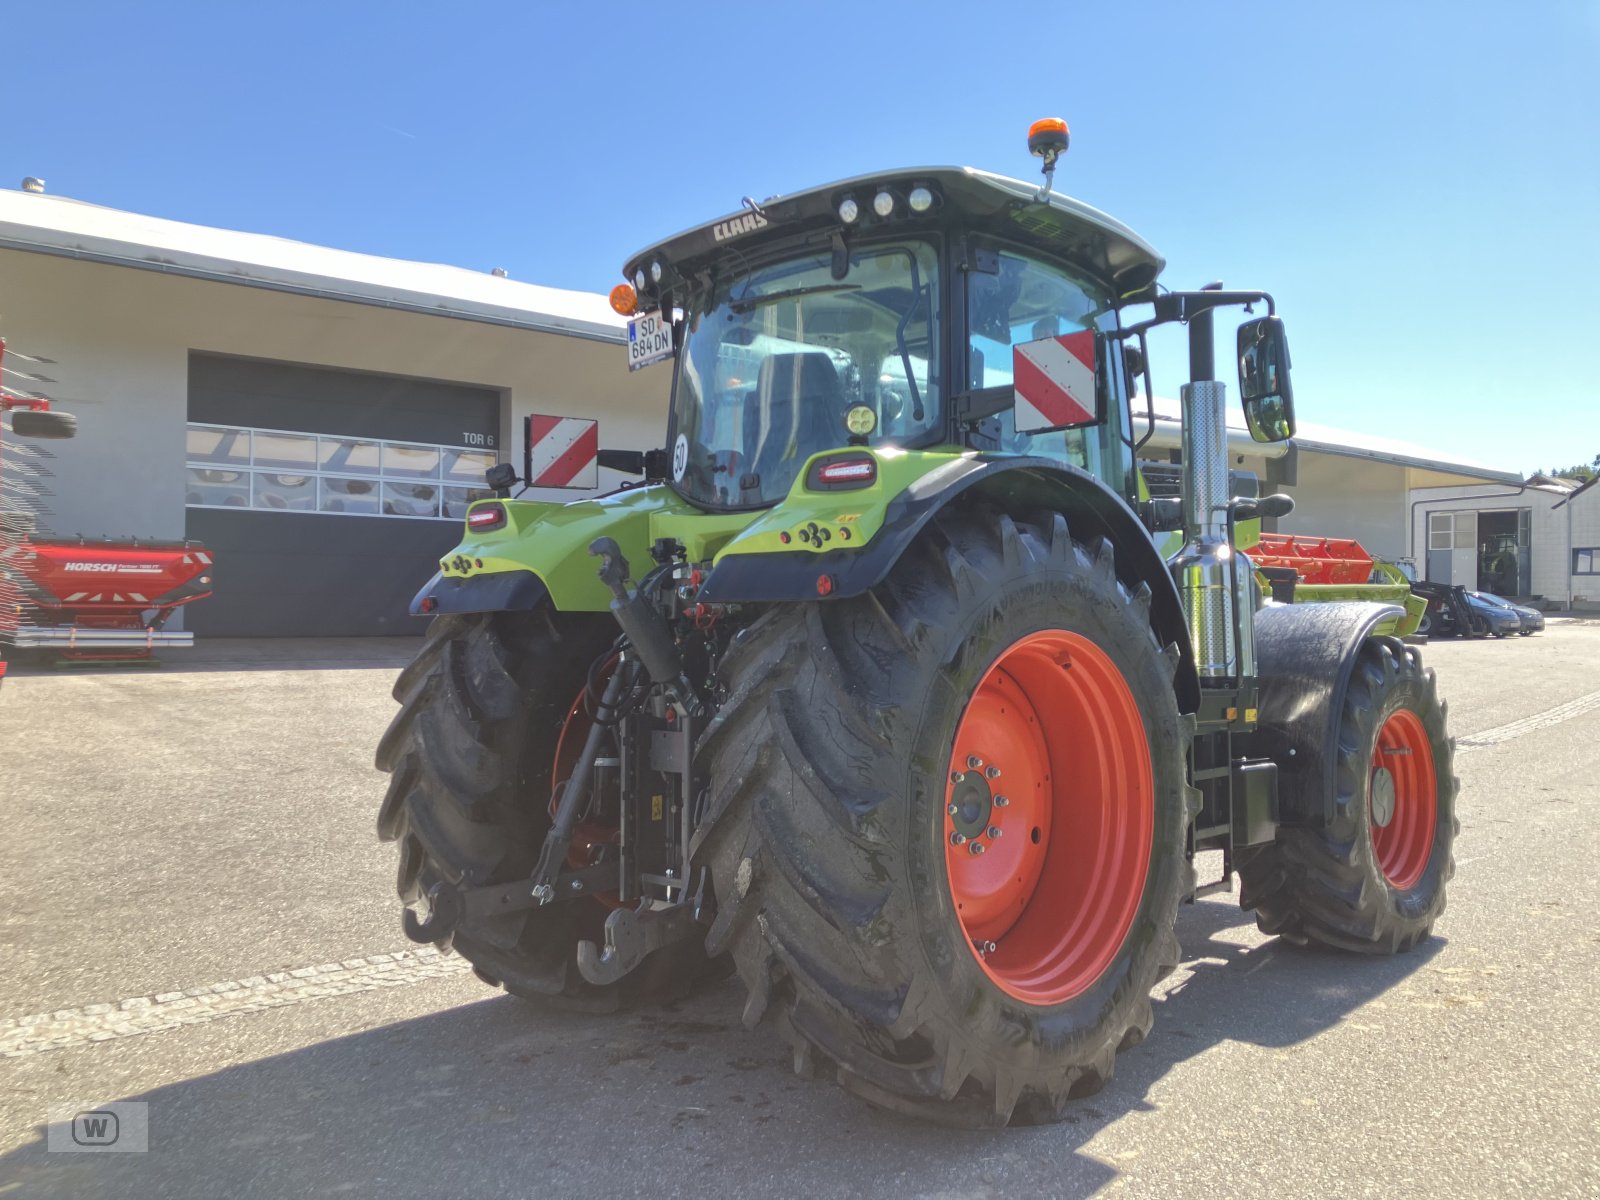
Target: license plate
[(649, 340)]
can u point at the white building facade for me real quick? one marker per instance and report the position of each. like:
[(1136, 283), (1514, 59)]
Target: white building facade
[(1539, 541)]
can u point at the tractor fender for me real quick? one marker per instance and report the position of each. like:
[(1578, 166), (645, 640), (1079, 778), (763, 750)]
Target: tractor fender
[(497, 591), (1013, 482), (1305, 654)]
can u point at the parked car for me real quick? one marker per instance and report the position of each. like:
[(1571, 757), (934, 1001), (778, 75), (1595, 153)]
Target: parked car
[(1531, 620), (1499, 617)]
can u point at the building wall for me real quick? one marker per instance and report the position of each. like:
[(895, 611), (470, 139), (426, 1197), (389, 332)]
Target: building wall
[(1585, 532), (121, 339), (1550, 557), (1336, 496)]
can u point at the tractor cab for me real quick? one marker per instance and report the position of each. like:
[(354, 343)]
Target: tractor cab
[(885, 311)]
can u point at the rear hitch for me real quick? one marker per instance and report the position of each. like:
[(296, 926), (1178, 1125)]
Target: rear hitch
[(630, 936), (449, 906), (444, 915)]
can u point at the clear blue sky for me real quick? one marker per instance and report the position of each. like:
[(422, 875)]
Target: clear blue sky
[(1419, 184)]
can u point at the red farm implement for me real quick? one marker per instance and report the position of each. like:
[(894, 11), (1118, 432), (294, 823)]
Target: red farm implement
[(83, 599), (1315, 559)]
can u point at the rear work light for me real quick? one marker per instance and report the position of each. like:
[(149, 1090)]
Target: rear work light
[(843, 473), (486, 517)]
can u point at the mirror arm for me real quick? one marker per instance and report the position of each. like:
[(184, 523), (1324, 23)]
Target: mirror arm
[(1184, 306), (971, 407)]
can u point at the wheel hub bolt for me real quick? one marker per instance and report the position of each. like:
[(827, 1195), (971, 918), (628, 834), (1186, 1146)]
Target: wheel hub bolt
[(958, 839), (1001, 801), (953, 809), (974, 762), (975, 848), (957, 776), (994, 831), (991, 772)]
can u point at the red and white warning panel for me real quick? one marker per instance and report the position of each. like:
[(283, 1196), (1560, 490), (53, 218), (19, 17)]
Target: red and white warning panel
[(563, 452), (1054, 382)]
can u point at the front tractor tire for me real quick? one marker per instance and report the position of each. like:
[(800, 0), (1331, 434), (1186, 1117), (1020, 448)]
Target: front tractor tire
[(1000, 690), (470, 757), (1370, 879)]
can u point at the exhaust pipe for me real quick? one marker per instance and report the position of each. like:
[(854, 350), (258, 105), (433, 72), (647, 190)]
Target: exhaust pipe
[(71, 637), (1203, 569)]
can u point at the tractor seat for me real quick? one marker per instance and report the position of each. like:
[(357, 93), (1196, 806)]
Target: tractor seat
[(796, 409)]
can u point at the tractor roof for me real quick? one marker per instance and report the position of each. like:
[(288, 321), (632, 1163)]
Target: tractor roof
[(980, 202)]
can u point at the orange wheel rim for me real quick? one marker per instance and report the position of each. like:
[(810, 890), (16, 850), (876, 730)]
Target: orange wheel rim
[(1051, 777), (1403, 799)]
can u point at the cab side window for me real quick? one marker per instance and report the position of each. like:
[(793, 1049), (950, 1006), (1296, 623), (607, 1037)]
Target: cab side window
[(1023, 301)]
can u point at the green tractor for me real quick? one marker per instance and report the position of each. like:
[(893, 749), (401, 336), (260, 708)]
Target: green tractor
[(887, 685)]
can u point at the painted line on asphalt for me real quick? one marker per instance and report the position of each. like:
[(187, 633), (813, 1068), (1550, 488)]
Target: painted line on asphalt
[(138, 1015), (1550, 716)]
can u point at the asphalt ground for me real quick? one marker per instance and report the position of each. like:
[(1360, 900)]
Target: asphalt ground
[(197, 916)]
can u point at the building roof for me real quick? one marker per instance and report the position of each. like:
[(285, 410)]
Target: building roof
[(1585, 486), (1325, 439), (72, 228)]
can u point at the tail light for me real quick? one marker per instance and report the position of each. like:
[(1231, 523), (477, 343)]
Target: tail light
[(842, 473), (486, 516)]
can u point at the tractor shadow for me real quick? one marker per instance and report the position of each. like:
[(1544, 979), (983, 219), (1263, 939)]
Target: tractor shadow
[(495, 1097)]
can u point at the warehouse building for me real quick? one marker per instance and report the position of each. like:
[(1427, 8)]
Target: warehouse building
[(320, 418), (1539, 540), (1344, 484)]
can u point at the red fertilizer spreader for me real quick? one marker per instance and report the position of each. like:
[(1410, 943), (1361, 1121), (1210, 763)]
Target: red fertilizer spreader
[(90, 599), (86, 600)]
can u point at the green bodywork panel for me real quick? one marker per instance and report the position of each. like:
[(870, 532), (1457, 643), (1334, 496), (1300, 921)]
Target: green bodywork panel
[(552, 540), (1395, 589)]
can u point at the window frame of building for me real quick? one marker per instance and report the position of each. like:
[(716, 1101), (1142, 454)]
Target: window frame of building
[(1453, 529), (1441, 526), (387, 484), (1586, 560)]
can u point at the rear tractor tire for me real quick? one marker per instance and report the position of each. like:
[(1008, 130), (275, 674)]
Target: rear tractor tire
[(1372, 879), (948, 845), (470, 757)]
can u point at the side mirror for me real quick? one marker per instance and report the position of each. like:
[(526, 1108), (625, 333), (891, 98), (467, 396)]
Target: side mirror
[(1264, 379), (1132, 368)]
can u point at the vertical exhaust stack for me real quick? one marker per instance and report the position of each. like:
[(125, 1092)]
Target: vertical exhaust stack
[(1214, 592), (1204, 567)]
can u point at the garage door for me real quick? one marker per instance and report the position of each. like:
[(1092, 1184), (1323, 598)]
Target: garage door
[(328, 496)]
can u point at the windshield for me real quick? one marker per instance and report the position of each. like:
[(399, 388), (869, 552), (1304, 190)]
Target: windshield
[(773, 361)]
